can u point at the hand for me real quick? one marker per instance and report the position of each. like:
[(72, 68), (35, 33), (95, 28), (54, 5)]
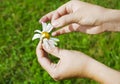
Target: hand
[(75, 64), (77, 16), (84, 17), (71, 63)]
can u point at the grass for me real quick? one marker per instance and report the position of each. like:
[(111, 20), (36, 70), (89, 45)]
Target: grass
[(18, 63)]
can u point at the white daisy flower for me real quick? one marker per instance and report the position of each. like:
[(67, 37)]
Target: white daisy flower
[(45, 36)]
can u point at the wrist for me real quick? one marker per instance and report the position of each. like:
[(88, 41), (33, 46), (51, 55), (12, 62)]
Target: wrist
[(111, 20), (111, 15), (103, 74), (111, 26)]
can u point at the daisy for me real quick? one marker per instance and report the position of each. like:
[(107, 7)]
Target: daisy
[(45, 36)]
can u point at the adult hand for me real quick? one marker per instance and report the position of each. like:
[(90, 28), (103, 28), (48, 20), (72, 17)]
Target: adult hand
[(70, 64), (76, 15), (75, 64)]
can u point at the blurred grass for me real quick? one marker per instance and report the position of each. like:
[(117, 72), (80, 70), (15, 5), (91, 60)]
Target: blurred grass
[(18, 63)]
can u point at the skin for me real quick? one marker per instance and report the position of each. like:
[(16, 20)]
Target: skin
[(74, 64), (81, 17)]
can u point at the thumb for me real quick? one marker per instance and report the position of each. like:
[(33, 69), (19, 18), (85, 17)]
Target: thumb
[(64, 20), (52, 50)]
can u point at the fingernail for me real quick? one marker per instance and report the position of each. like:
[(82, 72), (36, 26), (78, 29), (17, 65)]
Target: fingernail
[(55, 23), (53, 34)]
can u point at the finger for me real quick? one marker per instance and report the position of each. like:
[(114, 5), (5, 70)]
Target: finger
[(66, 29), (46, 17), (64, 9), (64, 20), (53, 50), (76, 27), (90, 29), (94, 30), (42, 59)]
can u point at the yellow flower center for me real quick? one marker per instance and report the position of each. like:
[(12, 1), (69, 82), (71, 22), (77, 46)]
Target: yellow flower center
[(46, 35)]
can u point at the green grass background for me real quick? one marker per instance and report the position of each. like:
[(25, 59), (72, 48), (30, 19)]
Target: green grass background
[(18, 63)]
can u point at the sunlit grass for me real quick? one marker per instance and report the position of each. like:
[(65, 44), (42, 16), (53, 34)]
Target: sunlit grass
[(18, 63)]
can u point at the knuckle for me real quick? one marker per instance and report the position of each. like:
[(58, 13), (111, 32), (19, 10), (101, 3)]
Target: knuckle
[(52, 50), (56, 76)]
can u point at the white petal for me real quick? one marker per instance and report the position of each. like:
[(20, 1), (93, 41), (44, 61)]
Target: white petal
[(41, 38), (36, 36), (52, 42), (44, 26), (49, 27), (55, 39), (38, 31), (45, 43)]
